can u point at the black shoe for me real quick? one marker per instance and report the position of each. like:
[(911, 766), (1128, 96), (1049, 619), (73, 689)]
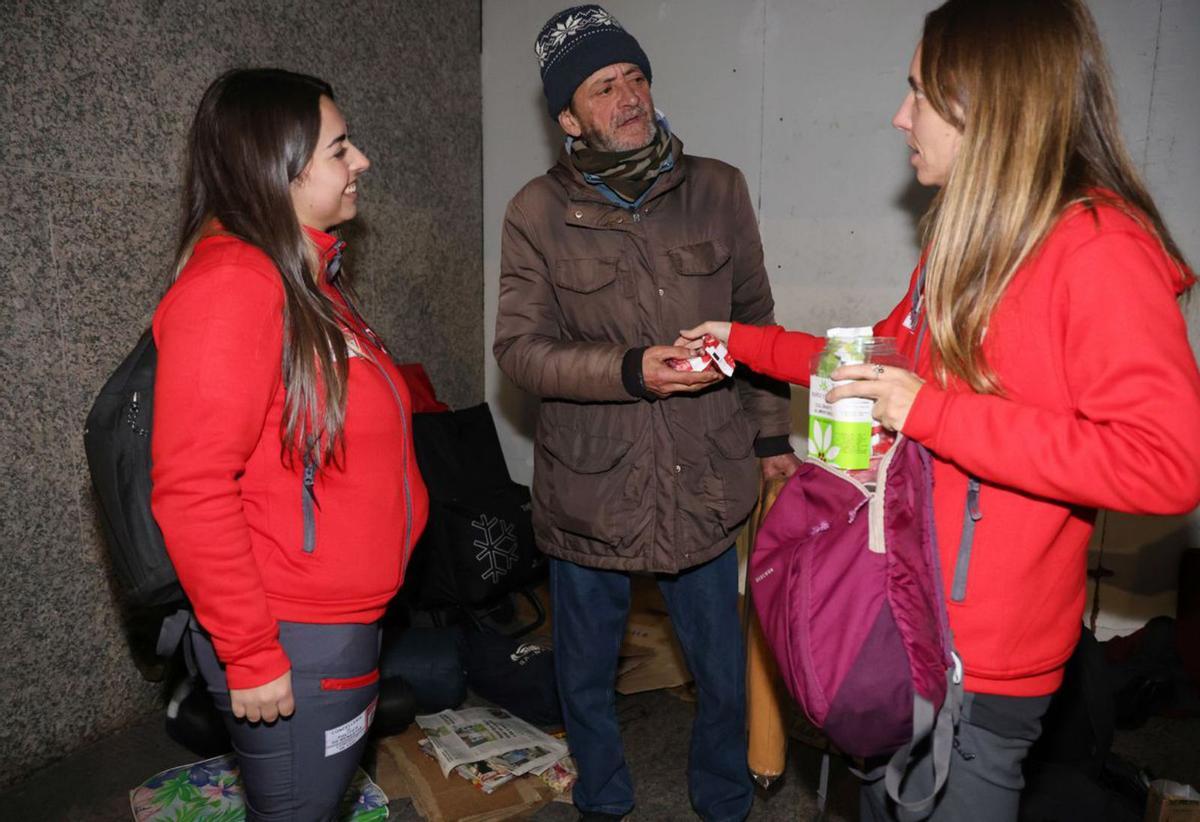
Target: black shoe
[(596, 816)]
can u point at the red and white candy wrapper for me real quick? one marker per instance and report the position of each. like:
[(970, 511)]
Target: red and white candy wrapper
[(720, 354), (714, 352)]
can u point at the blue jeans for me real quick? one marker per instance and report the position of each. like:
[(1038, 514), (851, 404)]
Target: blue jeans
[(590, 610)]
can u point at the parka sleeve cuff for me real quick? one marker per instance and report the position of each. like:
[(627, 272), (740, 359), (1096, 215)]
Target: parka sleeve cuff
[(772, 446), (631, 373)]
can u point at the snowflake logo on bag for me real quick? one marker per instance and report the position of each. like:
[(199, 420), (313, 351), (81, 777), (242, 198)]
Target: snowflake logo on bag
[(497, 544), (819, 443)]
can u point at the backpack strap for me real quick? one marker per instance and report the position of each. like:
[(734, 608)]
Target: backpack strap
[(940, 730), (171, 636), (171, 632), (958, 591), (823, 787)]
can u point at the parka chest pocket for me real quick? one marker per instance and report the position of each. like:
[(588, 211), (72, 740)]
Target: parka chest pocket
[(703, 277), (588, 293)]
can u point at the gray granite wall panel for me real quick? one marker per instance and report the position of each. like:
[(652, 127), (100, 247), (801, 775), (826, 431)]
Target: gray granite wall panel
[(96, 103)]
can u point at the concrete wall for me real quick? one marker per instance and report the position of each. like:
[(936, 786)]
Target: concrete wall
[(799, 94), (97, 98)]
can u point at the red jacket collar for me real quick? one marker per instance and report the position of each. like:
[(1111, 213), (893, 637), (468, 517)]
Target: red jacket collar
[(323, 241), (330, 249), (328, 246)]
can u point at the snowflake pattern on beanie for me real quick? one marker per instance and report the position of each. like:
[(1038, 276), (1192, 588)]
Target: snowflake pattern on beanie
[(548, 45)]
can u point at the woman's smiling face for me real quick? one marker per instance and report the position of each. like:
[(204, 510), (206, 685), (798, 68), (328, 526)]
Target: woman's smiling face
[(326, 192)]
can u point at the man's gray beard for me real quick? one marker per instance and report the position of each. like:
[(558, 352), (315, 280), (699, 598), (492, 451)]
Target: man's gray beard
[(597, 142)]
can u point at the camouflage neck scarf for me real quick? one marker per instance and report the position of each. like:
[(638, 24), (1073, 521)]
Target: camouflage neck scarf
[(628, 173)]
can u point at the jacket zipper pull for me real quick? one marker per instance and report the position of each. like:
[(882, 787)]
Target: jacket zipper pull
[(310, 482), (308, 500), (971, 515)]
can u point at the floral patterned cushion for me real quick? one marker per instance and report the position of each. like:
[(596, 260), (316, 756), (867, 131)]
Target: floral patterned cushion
[(212, 791)]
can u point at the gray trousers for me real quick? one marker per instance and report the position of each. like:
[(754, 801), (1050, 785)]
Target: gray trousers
[(298, 767), (985, 781)]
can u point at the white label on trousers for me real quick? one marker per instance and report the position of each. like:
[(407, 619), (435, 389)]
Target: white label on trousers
[(344, 736)]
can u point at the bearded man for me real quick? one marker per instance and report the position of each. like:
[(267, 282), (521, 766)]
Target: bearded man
[(639, 467)]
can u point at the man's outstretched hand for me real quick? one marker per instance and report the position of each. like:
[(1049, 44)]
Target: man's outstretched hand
[(662, 379)]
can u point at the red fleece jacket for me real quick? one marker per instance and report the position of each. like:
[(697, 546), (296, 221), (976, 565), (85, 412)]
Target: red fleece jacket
[(229, 503), (1101, 409)]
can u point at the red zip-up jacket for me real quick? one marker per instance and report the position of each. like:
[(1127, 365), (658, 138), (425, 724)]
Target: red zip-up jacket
[(1100, 409), (230, 504)]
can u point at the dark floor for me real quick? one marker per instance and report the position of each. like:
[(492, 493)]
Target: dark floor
[(92, 785)]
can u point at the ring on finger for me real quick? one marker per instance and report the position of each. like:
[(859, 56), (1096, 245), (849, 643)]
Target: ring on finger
[(877, 371)]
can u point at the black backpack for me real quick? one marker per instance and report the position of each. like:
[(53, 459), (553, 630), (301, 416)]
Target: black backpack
[(117, 441)]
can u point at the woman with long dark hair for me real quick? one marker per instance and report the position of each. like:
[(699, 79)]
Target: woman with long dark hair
[(1056, 369), (284, 478)]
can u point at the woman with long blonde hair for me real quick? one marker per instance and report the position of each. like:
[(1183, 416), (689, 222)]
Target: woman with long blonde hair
[(1052, 363)]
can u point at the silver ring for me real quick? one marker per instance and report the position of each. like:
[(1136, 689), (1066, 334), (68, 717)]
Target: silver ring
[(877, 371)]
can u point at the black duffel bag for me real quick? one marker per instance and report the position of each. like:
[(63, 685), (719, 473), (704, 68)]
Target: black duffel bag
[(478, 546), (517, 675)]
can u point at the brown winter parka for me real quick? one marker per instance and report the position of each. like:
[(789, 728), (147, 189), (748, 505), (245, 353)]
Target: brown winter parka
[(622, 482)]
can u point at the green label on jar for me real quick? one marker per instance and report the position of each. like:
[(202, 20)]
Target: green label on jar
[(839, 433)]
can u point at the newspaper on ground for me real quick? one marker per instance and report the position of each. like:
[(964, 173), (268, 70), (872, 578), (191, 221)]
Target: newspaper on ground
[(480, 734), (490, 774), (561, 775), (486, 775)]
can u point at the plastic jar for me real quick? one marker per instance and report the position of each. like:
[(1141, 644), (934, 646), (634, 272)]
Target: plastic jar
[(844, 434)]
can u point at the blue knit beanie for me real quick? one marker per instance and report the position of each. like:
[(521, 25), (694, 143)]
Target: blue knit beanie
[(576, 42)]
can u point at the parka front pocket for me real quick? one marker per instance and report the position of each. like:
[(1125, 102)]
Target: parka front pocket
[(731, 486), (588, 292), (589, 484)]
